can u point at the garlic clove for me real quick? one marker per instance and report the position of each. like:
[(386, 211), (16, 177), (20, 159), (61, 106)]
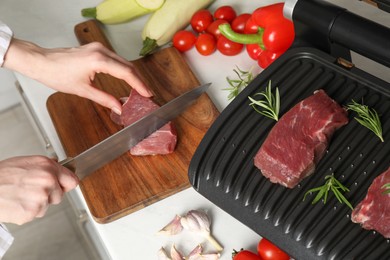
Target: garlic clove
[(172, 228), (195, 253), (162, 254), (175, 254)]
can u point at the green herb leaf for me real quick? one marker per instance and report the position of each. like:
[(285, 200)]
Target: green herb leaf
[(386, 188), (367, 117), (270, 106), (331, 184), (237, 85)]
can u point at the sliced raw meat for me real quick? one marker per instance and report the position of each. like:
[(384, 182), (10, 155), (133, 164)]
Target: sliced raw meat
[(373, 212), (163, 141), (299, 139)]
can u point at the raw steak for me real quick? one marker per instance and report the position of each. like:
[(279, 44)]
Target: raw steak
[(373, 212), (163, 141), (299, 139)]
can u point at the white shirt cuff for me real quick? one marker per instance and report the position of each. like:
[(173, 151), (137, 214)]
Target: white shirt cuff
[(5, 40), (6, 240)]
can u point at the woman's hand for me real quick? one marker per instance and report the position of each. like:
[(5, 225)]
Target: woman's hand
[(72, 70), (29, 184)]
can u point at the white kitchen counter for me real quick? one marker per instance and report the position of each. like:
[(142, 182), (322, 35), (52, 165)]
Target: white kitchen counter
[(50, 24)]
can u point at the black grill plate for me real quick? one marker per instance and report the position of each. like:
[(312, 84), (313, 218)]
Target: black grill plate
[(222, 168)]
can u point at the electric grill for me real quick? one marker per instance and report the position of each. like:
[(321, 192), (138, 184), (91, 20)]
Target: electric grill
[(222, 168)]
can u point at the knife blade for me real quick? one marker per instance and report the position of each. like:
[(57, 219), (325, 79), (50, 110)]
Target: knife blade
[(114, 146)]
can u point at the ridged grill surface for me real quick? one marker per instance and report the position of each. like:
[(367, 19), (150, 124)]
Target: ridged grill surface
[(222, 168)]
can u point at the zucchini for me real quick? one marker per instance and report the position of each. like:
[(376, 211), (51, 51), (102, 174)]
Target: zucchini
[(173, 16), (120, 11)]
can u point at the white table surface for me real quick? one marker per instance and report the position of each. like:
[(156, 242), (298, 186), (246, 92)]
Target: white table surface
[(50, 24)]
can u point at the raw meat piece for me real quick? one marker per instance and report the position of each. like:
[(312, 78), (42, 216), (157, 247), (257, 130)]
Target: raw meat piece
[(373, 212), (299, 139), (163, 141)]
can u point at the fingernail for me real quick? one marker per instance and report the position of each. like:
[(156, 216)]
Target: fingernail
[(149, 93), (116, 110)]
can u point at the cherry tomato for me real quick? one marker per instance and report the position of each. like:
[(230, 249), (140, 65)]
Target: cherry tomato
[(245, 255), (184, 40), (213, 28), (253, 51), (206, 44), (251, 26), (225, 12), (228, 47), (269, 251), (201, 20), (238, 24)]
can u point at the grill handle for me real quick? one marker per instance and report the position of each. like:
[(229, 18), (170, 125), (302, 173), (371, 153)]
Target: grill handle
[(336, 30)]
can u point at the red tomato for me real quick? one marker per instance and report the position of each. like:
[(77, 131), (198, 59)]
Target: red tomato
[(184, 40), (251, 26), (228, 47), (245, 255), (269, 251), (238, 24), (206, 44), (225, 12), (213, 28), (201, 20), (253, 51)]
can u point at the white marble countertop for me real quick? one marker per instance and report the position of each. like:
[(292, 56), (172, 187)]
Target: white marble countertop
[(50, 24)]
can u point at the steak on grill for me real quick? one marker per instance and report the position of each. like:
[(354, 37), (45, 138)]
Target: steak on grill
[(299, 139), (134, 107), (373, 212)]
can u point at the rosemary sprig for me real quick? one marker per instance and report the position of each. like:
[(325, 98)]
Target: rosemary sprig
[(271, 104), (331, 184), (237, 85), (386, 188), (367, 117)]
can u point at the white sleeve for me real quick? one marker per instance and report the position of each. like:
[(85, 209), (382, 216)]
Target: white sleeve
[(6, 240), (5, 39)]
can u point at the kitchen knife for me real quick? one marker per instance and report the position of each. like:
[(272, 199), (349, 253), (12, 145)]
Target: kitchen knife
[(112, 147)]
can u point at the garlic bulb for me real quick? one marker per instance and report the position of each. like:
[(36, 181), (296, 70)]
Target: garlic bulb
[(198, 221)]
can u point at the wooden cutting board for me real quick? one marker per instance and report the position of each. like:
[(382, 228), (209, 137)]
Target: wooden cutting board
[(130, 183)]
